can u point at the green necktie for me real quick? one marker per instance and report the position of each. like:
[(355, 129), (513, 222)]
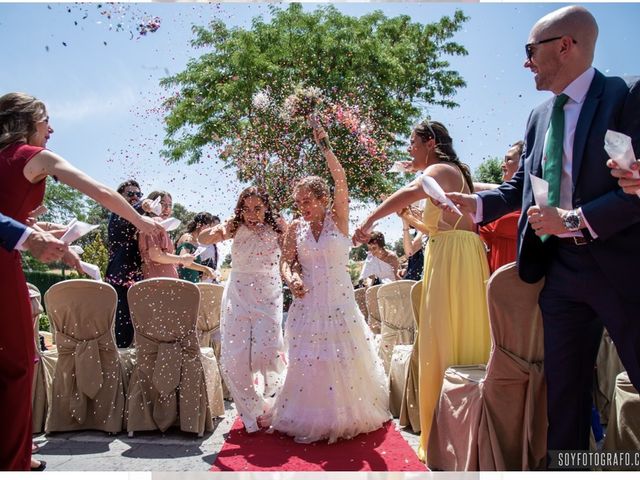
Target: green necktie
[(553, 152)]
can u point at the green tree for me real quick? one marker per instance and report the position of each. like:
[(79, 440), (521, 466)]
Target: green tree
[(359, 253), (375, 74), (63, 203), (185, 216), (489, 171), (95, 252), (398, 247)]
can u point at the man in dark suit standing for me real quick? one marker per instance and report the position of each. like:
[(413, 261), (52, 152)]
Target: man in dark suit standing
[(124, 269), (586, 240)]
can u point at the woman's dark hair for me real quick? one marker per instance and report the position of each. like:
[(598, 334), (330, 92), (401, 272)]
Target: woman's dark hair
[(427, 130), (155, 194), (128, 183), (269, 215), (377, 238), (201, 219)]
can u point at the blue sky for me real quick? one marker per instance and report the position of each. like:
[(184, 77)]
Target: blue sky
[(103, 94)]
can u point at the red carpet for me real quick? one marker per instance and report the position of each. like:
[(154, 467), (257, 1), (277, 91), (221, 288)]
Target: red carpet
[(379, 451)]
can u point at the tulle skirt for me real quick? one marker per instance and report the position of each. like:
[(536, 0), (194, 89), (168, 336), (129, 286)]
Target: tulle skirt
[(335, 385)]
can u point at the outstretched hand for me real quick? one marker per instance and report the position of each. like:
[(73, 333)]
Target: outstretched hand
[(465, 202), (148, 225), (362, 233)]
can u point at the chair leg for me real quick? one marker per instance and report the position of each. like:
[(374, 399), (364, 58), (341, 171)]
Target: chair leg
[(130, 434)]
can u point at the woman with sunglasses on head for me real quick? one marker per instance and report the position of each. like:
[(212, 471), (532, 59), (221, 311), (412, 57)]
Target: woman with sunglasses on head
[(251, 308), (454, 323), (25, 164)]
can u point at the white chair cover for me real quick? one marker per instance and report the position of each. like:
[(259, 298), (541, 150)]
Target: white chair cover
[(87, 390)]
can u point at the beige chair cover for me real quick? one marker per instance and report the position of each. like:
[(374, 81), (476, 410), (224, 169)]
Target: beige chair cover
[(608, 366), (169, 376), (209, 312), (497, 421), (398, 371), (373, 319), (394, 303), (623, 430), (127, 365), (39, 403), (361, 300), (87, 385), (410, 407)]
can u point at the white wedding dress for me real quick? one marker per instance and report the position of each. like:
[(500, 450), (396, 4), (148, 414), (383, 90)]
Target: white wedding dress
[(335, 385), (251, 324)]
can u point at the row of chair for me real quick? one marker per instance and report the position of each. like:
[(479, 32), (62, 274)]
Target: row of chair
[(490, 417), (167, 379)]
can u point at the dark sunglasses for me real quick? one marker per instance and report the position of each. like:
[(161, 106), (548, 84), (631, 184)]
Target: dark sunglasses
[(134, 194), (528, 48)]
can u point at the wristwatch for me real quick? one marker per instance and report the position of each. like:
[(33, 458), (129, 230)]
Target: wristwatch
[(571, 220)]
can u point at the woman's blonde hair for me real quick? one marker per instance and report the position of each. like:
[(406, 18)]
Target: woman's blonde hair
[(19, 114)]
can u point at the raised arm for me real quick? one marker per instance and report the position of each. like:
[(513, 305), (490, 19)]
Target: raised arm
[(48, 163), (216, 234), (394, 203), (341, 193), (410, 245)]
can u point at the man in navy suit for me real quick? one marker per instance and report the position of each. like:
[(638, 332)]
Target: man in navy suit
[(586, 246), (44, 246)]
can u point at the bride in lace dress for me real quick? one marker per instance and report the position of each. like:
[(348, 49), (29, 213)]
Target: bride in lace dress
[(335, 385)]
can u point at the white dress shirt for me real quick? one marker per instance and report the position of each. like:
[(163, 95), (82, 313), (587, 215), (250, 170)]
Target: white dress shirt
[(374, 266), (577, 92)]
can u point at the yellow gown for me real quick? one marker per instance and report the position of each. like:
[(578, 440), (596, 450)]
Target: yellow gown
[(454, 319)]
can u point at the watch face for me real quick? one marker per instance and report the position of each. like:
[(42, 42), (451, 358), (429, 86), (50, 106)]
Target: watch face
[(572, 221)]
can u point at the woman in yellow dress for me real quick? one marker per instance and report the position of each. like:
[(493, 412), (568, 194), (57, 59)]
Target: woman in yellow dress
[(454, 321)]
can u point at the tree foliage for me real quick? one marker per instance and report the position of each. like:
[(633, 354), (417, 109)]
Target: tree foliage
[(96, 252), (489, 171), (63, 203), (376, 75)]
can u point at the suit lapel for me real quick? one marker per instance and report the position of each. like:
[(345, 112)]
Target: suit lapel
[(584, 122)]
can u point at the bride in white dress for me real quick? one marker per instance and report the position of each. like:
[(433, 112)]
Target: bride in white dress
[(335, 385), (251, 309)]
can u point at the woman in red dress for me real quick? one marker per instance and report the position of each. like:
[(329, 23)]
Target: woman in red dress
[(24, 166), (500, 236)]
